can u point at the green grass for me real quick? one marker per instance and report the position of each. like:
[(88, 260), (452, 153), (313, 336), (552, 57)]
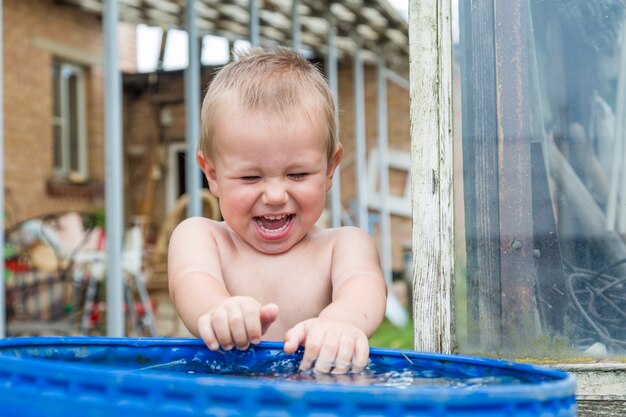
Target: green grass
[(388, 335)]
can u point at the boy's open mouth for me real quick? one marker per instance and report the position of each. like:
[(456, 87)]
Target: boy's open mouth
[(273, 224)]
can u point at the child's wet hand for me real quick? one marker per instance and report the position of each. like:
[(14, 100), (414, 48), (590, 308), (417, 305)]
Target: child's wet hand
[(236, 323), (330, 346)]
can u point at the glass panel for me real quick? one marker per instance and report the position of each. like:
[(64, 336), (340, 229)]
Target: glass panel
[(58, 162), (540, 94), (57, 121), (74, 116), (56, 105)]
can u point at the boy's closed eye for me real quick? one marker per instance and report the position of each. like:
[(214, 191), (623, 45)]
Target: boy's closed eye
[(297, 176), (250, 178)]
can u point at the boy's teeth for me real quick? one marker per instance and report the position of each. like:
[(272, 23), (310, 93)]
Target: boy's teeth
[(274, 224)]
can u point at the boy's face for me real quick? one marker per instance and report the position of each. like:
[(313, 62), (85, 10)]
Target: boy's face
[(270, 176)]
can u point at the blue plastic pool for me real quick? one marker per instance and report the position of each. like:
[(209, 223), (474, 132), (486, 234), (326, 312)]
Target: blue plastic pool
[(74, 376)]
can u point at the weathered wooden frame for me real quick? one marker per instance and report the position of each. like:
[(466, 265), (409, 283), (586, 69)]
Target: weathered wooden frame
[(601, 383), (430, 47)]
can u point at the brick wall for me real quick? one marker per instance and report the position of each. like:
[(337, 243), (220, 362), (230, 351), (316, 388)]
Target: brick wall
[(35, 32)]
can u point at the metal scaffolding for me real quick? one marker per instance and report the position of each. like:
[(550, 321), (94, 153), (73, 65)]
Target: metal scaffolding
[(327, 29)]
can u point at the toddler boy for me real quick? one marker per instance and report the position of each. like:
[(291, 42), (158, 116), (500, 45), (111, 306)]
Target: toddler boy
[(269, 149)]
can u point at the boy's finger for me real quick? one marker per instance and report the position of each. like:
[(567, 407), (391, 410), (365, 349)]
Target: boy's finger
[(206, 332), (361, 355), (327, 353), (312, 348), (295, 337), (344, 355), (269, 314), (221, 328), (252, 324), (237, 327)]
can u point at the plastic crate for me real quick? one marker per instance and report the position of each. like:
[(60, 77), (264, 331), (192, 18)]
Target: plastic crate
[(87, 376)]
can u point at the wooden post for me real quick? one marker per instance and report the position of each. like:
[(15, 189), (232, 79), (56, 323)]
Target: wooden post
[(480, 176), (518, 276), (430, 44)]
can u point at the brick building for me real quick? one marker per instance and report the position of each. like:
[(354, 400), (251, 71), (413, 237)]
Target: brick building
[(54, 51), (53, 54)]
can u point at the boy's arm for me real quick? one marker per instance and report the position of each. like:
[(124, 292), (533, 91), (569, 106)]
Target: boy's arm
[(340, 332), (200, 295), (194, 276)]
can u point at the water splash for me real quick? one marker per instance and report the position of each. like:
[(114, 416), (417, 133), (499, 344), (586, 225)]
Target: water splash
[(286, 369)]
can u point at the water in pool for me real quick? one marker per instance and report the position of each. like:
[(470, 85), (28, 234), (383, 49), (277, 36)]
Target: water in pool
[(399, 371), (376, 373)]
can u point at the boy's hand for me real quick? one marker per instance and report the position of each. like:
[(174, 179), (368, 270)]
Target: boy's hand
[(331, 345), (236, 322)]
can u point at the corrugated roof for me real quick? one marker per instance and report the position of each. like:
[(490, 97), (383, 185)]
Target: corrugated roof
[(375, 23)]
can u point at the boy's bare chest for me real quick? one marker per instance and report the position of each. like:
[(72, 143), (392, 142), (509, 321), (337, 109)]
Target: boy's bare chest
[(301, 286)]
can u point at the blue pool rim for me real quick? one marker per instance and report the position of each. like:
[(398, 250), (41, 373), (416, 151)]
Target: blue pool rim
[(39, 387)]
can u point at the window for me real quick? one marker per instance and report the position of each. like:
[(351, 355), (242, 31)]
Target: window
[(69, 121), (539, 174), (175, 181), (541, 123)]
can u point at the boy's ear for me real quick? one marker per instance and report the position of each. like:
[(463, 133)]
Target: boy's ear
[(208, 168), (332, 165)]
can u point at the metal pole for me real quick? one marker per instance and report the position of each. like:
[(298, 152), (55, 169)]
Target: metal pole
[(2, 225), (333, 82), (360, 141), (255, 38), (113, 186), (295, 26), (397, 79), (383, 167), (193, 178), (395, 311)]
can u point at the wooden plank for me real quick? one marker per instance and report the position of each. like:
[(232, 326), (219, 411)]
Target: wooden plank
[(551, 290), (480, 165), (432, 174), (600, 387), (583, 204), (518, 271)]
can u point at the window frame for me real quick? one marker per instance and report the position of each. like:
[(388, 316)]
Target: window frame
[(601, 383), (63, 71)]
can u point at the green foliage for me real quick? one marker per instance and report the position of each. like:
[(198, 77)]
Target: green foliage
[(390, 336), (94, 218)]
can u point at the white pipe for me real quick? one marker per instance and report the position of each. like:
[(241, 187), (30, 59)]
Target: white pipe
[(2, 225), (296, 39), (255, 37), (360, 139), (193, 178), (618, 149), (335, 191), (383, 170), (395, 312), (397, 79), (113, 185)]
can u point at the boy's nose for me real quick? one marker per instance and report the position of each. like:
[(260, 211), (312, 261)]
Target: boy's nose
[(275, 193)]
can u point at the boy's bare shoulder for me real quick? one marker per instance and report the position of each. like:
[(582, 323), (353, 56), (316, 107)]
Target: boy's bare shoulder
[(200, 227), (344, 235), (347, 232)]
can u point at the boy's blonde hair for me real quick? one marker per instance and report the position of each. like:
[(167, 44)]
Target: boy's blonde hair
[(277, 81)]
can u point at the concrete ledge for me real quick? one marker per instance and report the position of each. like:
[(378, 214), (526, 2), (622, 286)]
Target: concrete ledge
[(600, 387)]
